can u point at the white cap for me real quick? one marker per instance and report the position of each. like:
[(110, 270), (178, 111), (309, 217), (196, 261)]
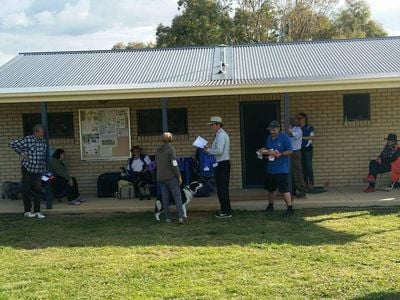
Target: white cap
[(215, 119)]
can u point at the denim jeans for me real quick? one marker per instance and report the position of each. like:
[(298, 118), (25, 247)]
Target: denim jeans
[(167, 187)]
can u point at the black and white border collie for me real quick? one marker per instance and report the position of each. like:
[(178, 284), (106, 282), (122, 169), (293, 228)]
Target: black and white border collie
[(187, 192)]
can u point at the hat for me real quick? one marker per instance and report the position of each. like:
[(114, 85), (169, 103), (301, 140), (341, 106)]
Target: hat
[(136, 147), (215, 119), (392, 137), (274, 124)]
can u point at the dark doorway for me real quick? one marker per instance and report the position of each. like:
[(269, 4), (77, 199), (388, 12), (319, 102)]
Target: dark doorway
[(254, 119)]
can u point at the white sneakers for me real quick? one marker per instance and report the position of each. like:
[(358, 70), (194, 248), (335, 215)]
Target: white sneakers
[(38, 215), (28, 214)]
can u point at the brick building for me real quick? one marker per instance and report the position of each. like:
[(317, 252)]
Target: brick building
[(350, 90)]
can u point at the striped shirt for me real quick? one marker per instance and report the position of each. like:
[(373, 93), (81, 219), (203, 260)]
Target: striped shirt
[(35, 150)]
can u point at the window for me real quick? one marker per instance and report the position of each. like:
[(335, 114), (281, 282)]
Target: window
[(356, 107), (61, 125), (150, 121)]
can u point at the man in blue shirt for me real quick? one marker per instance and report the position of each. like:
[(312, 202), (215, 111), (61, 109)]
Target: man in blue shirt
[(278, 148)]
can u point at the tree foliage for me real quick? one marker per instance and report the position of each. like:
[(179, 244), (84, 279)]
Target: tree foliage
[(213, 22), (203, 22), (354, 20), (305, 19)]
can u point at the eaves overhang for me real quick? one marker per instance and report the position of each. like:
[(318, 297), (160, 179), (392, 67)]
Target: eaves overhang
[(118, 92)]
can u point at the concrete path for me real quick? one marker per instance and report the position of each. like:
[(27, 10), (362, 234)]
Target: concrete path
[(243, 199)]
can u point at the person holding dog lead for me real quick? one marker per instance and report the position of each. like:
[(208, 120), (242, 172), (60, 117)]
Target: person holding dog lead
[(169, 176), (33, 150), (221, 150)]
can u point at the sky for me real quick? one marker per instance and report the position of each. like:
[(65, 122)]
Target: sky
[(58, 25)]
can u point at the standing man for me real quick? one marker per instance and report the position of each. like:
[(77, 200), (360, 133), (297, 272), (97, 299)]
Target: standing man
[(32, 149), (278, 149), (221, 150), (296, 135)]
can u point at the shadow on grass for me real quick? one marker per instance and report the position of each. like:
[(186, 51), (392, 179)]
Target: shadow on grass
[(202, 229), (380, 296)]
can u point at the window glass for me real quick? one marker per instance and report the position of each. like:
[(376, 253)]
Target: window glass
[(356, 107)]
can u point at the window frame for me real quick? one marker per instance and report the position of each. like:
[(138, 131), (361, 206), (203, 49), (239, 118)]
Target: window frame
[(27, 128), (357, 100), (158, 117)]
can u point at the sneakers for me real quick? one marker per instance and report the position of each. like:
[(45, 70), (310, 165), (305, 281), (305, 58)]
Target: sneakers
[(180, 221), (369, 190), (289, 212), (28, 214), (39, 215), (270, 208), (223, 215), (369, 178), (74, 202), (80, 199)]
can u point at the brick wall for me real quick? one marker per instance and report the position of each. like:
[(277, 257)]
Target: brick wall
[(342, 149)]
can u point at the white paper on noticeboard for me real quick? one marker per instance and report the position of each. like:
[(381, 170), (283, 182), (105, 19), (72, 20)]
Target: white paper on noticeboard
[(200, 142)]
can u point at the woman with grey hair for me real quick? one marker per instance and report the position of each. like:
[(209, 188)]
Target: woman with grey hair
[(169, 176)]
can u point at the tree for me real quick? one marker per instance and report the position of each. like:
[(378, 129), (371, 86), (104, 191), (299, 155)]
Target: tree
[(305, 19), (254, 21), (203, 22), (354, 20), (132, 45)]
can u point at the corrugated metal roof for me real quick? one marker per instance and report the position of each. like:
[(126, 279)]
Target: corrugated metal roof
[(202, 66)]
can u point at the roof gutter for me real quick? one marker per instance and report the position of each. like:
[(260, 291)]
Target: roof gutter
[(198, 91)]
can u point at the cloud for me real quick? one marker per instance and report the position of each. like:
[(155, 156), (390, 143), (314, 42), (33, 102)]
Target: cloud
[(42, 25), (16, 20)]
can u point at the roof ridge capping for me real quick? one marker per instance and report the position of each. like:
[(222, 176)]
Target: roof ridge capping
[(324, 41), (112, 51), (272, 44)]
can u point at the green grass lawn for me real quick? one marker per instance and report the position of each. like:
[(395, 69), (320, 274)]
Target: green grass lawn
[(340, 254)]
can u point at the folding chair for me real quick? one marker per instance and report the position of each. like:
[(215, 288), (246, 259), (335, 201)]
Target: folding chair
[(203, 168), (393, 182), (379, 180)]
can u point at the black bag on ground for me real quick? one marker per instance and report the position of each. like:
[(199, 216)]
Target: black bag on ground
[(107, 184)]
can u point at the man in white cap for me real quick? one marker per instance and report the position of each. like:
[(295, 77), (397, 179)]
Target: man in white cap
[(221, 150)]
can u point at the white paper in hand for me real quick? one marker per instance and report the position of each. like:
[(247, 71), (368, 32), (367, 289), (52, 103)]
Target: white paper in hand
[(200, 142)]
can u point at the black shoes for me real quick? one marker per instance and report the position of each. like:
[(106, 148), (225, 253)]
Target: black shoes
[(270, 208), (222, 215), (288, 213)]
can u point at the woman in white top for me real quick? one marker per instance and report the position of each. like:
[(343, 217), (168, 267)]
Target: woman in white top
[(138, 171)]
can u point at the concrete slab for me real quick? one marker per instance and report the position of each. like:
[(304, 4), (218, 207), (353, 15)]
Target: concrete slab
[(243, 199)]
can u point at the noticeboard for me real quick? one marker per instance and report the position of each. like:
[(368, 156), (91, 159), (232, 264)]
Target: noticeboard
[(105, 133)]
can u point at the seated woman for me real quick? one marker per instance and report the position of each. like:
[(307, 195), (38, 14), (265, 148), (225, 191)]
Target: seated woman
[(63, 181), (138, 170), (382, 163)]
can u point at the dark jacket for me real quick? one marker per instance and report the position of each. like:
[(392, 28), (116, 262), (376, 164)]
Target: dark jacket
[(58, 167), (167, 165)]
